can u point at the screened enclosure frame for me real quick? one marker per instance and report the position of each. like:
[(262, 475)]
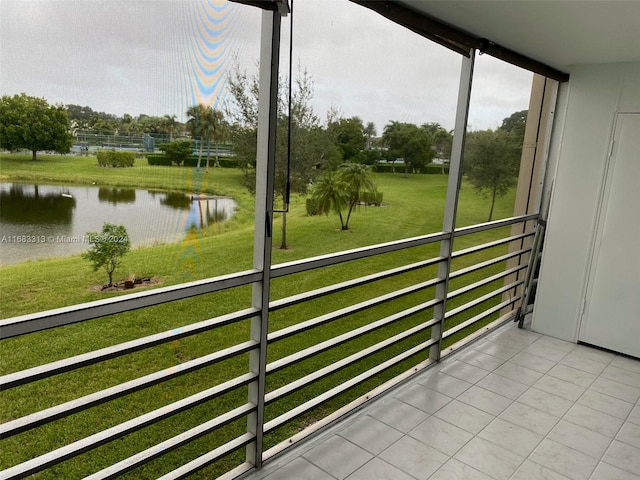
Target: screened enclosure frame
[(532, 194)]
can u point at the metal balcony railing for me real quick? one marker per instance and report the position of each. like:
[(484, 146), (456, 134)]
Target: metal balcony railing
[(329, 348)]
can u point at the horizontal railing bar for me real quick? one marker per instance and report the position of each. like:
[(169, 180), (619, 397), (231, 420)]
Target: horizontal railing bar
[(306, 264), (485, 246), (337, 390), (350, 310), (68, 364), (459, 232), (58, 317), (477, 318), (345, 337), (238, 471), (320, 292), (345, 362), (208, 458), (74, 406), (477, 301), (487, 263), (173, 443), (484, 281), (105, 436)]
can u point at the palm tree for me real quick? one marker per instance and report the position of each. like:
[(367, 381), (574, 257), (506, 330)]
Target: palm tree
[(357, 177), (220, 135), (170, 123), (331, 193), (214, 127), (369, 132), (197, 125)]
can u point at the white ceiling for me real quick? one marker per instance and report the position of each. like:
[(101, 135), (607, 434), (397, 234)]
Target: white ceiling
[(560, 33)]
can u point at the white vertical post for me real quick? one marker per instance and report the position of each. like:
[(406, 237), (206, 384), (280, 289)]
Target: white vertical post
[(451, 206), (265, 181)]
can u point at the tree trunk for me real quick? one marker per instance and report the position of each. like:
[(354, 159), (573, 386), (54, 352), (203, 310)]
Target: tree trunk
[(342, 225), (208, 153), (493, 202), (199, 155), (33, 155), (352, 204), (217, 163)]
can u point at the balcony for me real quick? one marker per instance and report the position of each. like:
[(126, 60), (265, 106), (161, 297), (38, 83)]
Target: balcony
[(514, 405), (414, 370), (254, 387), (501, 403)]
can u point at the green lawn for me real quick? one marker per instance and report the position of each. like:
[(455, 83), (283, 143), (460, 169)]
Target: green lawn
[(413, 206)]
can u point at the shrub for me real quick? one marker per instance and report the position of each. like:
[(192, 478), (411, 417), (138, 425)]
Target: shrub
[(313, 206), (434, 169), (178, 151), (163, 160), (225, 162), (371, 198), (111, 158), (158, 159)]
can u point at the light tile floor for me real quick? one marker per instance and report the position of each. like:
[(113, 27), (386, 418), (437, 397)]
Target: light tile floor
[(515, 405)]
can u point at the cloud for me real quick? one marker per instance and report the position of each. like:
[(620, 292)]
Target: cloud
[(160, 56)]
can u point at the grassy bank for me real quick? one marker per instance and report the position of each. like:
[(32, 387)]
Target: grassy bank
[(413, 206)]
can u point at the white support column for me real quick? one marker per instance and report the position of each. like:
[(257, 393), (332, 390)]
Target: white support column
[(451, 206), (265, 180)]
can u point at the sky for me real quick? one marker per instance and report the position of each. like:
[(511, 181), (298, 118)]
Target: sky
[(159, 57)]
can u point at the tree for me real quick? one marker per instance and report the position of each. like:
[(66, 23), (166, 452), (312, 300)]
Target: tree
[(177, 151), (514, 126), (357, 178), (349, 137), (332, 194), (491, 163), (213, 129), (107, 248), (410, 142), (310, 145), (515, 123), (31, 123), (370, 133), (170, 124), (197, 126)]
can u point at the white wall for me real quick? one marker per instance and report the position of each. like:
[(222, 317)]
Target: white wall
[(580, 143)]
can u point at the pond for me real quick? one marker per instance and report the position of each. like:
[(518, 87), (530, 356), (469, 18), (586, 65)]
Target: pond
[(42, 221)]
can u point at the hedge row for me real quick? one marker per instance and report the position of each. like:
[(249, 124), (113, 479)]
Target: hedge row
[(111, 158), (158, 159), (399, 168), (162, 159)]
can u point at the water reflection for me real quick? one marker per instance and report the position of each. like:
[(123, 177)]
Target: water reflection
[(56, 216), (208, 211), (116, 195), (26, 204), (175, 200)]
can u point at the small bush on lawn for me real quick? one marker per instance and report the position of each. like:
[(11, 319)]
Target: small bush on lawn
[(313, 206), (371, 198)]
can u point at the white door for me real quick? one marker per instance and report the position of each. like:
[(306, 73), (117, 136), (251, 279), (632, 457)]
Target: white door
[(612, 314)]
